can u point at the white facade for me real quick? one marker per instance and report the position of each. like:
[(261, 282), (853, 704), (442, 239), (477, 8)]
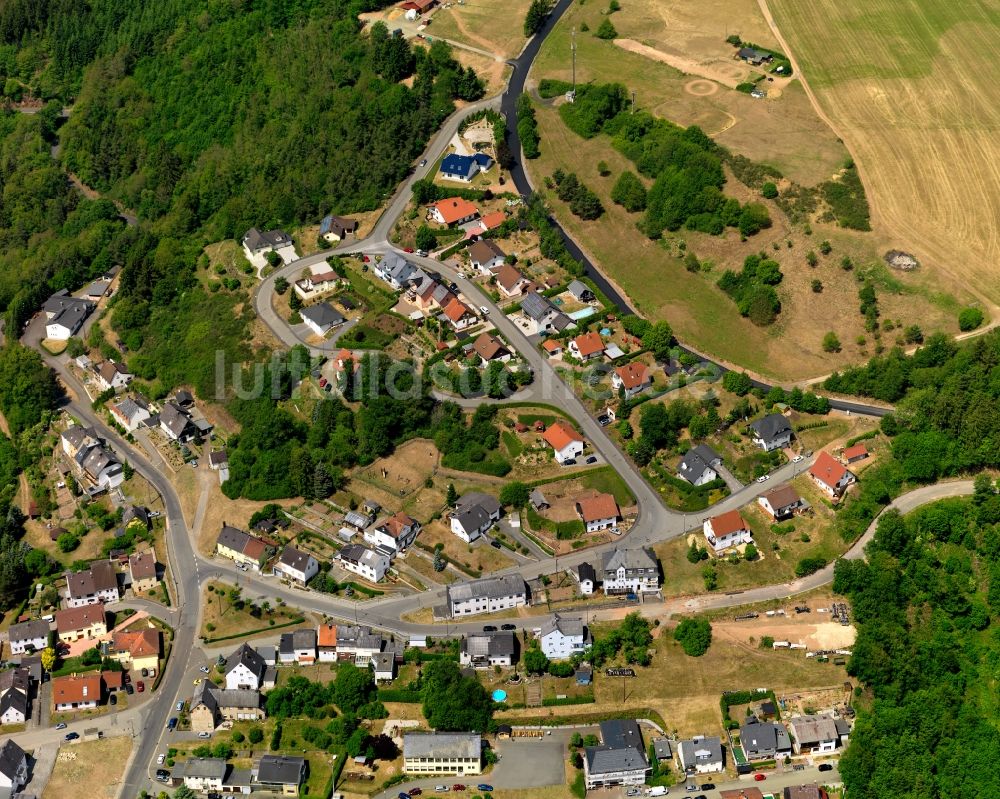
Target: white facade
[(240, 678), (442, 753), (32, 636), (487, 595), (570, 452), (370, 565), (562, 639), (300, 567), (721, 541)]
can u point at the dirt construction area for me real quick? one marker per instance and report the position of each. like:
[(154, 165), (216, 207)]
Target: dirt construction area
[(93, 765), (813, 632)]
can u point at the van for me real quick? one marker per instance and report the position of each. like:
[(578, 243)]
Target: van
[(658, 790), (50, 618)]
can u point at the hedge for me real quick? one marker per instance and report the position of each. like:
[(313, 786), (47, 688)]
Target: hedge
[(400, 695), (863, 437), (297, 620), (553, 701)]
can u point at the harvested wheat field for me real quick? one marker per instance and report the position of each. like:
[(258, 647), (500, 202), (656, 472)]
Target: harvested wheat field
[(909, 87)]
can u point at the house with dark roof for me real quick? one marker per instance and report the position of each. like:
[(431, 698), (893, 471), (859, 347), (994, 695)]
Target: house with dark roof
[(541, 315), (337, 228), (764, 740), (87, 621), (580, 291), (384, 667), (619, 760), (630, 571), (482, 650), (65, 315), (321, 318), (474, 514), (395, 270), (239, 546), (295, 565), (129, 414), (486, 256), (113, 375), (177, 423), (487, 595), (201, 773), (700, 755), (698, 465), (817, 734), (438, 753), (771, 432), (754, 56), (781, 503), (357, 644), (28, 636), (365, 562), (490, 348), (15, 699), (464, 168), (13, 767), (257, 243), (98, 583), (561, 638), (298, 646), (586, 577), (280, 774), (245, 669)]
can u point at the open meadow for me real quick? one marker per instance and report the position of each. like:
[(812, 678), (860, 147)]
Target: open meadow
[(908, 86)]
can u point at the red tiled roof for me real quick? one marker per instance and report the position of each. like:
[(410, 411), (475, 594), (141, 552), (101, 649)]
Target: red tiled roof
[(599, 506), (138, 643), (456, 309), (493, 219), (327, 635), (455, 208), (727, 523), (76, 688), (559, 435), (589, 344), (551, 345), (633, 374), (857, 451), (828, 470)]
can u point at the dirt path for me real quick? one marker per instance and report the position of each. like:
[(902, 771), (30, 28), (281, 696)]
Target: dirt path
[(686, 65), (486, 44)]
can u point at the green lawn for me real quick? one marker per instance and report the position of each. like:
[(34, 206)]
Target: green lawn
[(606, 479)]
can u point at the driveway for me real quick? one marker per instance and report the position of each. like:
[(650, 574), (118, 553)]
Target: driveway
[(730, 478)]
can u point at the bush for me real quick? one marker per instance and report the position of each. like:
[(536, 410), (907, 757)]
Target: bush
[(629, 192), (769, 191), (694, 635), (831, 342), (606, 30), (255, 735), (810, 565), (970, 319)]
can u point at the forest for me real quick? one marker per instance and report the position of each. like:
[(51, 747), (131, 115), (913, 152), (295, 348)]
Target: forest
[(926, 604)]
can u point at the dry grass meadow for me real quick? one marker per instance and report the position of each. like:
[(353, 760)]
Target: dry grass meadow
[(490, 25), (907, 87), (96, 765)]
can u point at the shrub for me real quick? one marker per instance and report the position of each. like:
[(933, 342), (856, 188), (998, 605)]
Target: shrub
[(769, 191), (810, 565), (831, 343), (970, 319), (606, 30), (694, 635)]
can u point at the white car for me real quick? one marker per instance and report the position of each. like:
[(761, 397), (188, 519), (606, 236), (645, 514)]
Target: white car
[(441, 788), (204, 669), (204, 735), (160, 758), (763, 478), (796, 459), (484, 309)]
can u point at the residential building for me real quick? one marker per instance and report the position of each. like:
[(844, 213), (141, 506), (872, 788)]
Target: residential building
[(245, 669), (587, 578), (86, 621), (598, 512), (621, 758), (482, 650), (587, 346), (360, 520), (780, 503), (749, 792), (856, 453), (257, 244), (357, 644), (464, 168), (562, 638), (65, 314), (112, 681), (28, 637), (211, 705), (294, 564), (831, 475), (661, 748), (242, 547), (99, 583), (727, 530), (76, 439), (13, 767), (326, 643), (580, 291), (280, 774), (395, 270), (321, 318), (566, 443), (317, 282), (337, 228), (459, 314), (98, 466), (453, 211), (474, 514), (698, 466), (631, 378), (138, 516), (218, 459), (112, 375), (129, 414), (701, 755), (434, 753), (804, 792), (490, 348), (15, 689), (298, 646), (492, 220), (485, 256), (76, 692), (771, 432), (487, 595), (552, 347), (542, 316), (176, 423), (384, 667), (510, 281), (630, 571), (366, 563), (202, 774), (816, 734), (753, 56), (395, 534), (764, 740), (136, 649)]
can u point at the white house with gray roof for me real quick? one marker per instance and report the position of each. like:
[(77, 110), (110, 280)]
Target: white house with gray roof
[(542, 316), (698, 466), (395, 270), (474, 514), (482, 650), (321, 318), (257, 244), (562, 638), (619, 760), (364, 562), (294, 564), (433, 753), (771, 432), (245, 669), (701, 755), (65, 315), (129, 414), (202, 773), (487, 595), (279, 774), (630, 571), (28, 637), (14, 767)]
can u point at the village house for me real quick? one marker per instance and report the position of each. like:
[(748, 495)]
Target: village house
[(202, 774), (726, 530), (176, 423), (831, 475), (295, 565), (13, 768), (619, 760), (242, 547), (28, 637), (473, 515), (630, 571), (562, 638), (587, 346), (586, 578), (298, 646), (99, 583), (566, 443), (395, 270), (317, 282), (280, 774), (698, 465), (65, 315), (510, 281), (87, 621), (485, 256), (631, 378), (384, 667), (754, 56), (464, 168), (700, 755), (804, 792), (780, 503), (395, 534), (321, 318), (817, 734), (366, 563), (541, 316), (484, 650), (856, 453), (129, 414), (453, 211), (580, 291), (598, 512), (218, 459), (553, 348), (257, 244), (335, 228), (245, 670), (764, 740), (15, 696), (357, 644), (438, 753), (490, 348), (136, 650), (771, 432), (100, 468), (76, 692), (492, 220), (487, 595), (458, 314), (112, 375), (326, 643)]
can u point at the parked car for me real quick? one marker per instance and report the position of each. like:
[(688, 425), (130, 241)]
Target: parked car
[(484, 309), (422, 253), (162, 774), (129, 689), (796, 459), (440, 787), (495, 544), (759, 777), (489, 628), (402, 795), (798, 767), (708, 786), (204, 735), (172, 724), (763, 478), (826, 767), (569, 462), (632, 792), (508, 626), (145, 672), (416, 791), (71, 736), (204, 669), (179, 706), (691, 787), (140, 686), (604, 421), (113, 699), (458, 787), (408, 250), (423, 162), (484, 787), (160, 758), (591, 459), (61, 725)]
